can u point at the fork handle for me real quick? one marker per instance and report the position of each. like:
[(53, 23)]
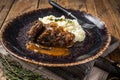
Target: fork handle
[(57, 6)]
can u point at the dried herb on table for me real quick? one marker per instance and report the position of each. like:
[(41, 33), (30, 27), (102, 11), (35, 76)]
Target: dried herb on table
[(14, 71)]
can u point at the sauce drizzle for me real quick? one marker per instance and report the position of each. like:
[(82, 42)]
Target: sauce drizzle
[(53, 51)]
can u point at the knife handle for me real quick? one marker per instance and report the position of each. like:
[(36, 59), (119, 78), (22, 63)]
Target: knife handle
[(57, 6)]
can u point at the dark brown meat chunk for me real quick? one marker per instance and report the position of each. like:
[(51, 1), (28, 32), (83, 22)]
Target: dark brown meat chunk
[(52, 35), (35, 30)]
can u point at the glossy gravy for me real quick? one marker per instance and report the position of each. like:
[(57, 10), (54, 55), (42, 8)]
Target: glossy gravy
[(53, 51)]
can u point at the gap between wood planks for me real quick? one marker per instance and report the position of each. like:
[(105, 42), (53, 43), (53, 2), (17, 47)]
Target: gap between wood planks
[(4, 10)]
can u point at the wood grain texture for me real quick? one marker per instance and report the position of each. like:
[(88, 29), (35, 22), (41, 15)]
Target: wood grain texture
[(107, 10), (90, 4), (114, 17), (21, 6), (115, 6), (97, 74), (103, 14), (43, 4), (64, 3), (5, 6), (2, 76)]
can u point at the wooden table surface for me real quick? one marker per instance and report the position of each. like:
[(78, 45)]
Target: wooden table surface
[(106, 10)]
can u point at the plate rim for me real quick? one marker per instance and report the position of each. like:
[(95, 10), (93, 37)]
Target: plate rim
[(100, 52)]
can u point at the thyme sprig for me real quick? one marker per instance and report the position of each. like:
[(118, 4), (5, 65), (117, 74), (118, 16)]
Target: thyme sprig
[(14, 71)]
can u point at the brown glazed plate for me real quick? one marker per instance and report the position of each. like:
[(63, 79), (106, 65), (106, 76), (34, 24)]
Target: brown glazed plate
[(14, 39)]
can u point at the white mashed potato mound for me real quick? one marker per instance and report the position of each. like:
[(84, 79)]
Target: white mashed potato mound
[(71, 25)]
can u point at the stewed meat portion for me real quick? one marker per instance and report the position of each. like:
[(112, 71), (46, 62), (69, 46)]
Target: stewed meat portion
[(35, 30), (50, 35)]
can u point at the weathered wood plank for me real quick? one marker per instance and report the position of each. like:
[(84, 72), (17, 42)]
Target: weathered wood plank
[(104, 15), (115, 5), (82, 5), (77, 5), (97, 74), (63, 3), (90, 4), (115, 18), (118, 3), (70, 4), (21, 6), (108, 66), (44, 4), (2, 76), (115, 55), (5, 6)]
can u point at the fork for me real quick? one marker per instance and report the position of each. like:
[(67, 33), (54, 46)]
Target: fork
[(82, 23)]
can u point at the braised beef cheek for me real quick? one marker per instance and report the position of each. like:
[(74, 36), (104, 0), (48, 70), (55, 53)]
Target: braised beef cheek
[(50, 35)]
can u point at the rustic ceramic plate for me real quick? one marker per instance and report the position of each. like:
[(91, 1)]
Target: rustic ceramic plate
[(14, 39)]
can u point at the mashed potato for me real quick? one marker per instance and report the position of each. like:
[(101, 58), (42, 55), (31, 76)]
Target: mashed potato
[(70, 25)]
